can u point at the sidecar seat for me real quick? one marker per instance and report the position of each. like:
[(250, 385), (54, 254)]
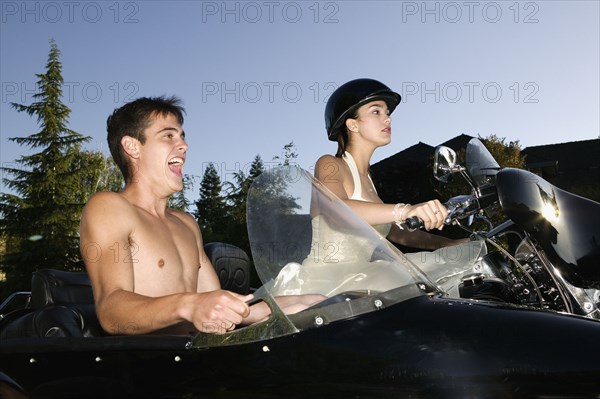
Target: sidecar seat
[(62, 303), (232, 266)]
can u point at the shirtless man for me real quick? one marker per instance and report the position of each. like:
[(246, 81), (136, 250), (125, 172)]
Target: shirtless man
[(146, 262)]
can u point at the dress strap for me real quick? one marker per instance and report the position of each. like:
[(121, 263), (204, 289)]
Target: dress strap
[(357, 194)]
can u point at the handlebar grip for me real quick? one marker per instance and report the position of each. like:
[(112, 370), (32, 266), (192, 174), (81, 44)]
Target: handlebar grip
[(414, 223)]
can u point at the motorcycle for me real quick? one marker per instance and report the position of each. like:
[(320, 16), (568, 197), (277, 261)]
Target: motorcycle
[(389, 325), (546, 254)]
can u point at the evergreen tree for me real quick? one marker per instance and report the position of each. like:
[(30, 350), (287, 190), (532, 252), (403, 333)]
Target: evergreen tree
[(40, 218), (237, 232), (211, 207), (239, 190), (178, 200)]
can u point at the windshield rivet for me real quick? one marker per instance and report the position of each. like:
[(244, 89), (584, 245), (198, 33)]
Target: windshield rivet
[(98, 359), (177, 358), (266, 349), (319, 321), (422, 287), (378, 304), (588, 307)]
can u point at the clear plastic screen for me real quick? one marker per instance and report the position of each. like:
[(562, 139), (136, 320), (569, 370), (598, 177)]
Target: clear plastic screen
[(305, 240)]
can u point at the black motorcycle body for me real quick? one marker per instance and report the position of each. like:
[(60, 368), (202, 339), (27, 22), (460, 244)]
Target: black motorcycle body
[(555, 262)]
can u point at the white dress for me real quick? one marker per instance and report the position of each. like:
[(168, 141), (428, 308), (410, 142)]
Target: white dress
[(340, 259)]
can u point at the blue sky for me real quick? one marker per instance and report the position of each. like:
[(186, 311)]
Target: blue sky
[(255, 75)]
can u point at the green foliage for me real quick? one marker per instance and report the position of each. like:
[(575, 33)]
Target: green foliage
[(237, 193), (506, 154), (221, 207), (40, 216), (288, 154), (211, 208), (179, 200), (106, 174)]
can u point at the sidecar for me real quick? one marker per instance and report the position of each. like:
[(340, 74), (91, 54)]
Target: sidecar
[(384, 329)]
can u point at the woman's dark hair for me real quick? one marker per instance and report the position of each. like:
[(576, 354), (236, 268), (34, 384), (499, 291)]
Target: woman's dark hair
[(342, 136), (132, 119)]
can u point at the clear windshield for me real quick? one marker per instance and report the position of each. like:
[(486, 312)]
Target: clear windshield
[(480, 163), (305, 240)]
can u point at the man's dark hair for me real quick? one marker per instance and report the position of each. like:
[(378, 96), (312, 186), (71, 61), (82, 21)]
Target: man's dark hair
[(132, 119)]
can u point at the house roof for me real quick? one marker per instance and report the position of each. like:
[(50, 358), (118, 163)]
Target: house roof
[(569, 155), (421, 152), (567, 164)]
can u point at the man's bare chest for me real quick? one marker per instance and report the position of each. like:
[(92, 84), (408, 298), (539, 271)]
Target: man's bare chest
[(164, 255)]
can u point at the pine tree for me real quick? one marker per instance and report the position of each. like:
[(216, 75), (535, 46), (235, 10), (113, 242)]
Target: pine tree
[(237, 232), (211, 207), (239, 190), (40, 218), (178, 200)]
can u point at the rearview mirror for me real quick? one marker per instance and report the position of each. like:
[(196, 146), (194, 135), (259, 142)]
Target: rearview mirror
[(444, 163)]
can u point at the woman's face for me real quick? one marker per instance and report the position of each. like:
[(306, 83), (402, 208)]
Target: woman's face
[(373, 123)]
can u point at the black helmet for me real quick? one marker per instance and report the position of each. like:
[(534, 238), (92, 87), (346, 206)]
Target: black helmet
[(351, 95)]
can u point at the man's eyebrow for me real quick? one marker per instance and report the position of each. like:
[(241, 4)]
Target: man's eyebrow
[(169, 128)]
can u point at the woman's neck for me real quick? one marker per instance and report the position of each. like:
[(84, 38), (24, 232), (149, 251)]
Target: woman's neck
[(362, 158)]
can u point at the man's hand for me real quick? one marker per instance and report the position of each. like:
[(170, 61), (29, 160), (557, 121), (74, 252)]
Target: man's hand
[(218, 311)]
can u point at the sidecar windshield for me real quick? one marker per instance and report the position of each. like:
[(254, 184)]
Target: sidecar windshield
[(305, 240)]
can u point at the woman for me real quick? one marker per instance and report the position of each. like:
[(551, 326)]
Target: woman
[(357, 116)]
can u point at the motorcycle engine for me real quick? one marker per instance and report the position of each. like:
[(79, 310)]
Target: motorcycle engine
[(524, 282)]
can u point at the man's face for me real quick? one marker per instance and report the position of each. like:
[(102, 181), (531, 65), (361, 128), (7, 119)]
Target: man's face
[(163, 154)]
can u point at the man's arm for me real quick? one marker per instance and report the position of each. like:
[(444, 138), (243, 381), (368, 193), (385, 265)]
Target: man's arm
[(106, 226)]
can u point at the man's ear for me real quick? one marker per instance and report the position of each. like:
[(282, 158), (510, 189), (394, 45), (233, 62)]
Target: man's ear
[(131, 146)]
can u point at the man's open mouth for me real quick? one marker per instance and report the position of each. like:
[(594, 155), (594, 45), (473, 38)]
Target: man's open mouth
[(176, 165)]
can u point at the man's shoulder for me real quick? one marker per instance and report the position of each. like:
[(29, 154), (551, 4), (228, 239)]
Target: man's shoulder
[(183, 216), (104, 201), (107, 197), (106, 213)]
